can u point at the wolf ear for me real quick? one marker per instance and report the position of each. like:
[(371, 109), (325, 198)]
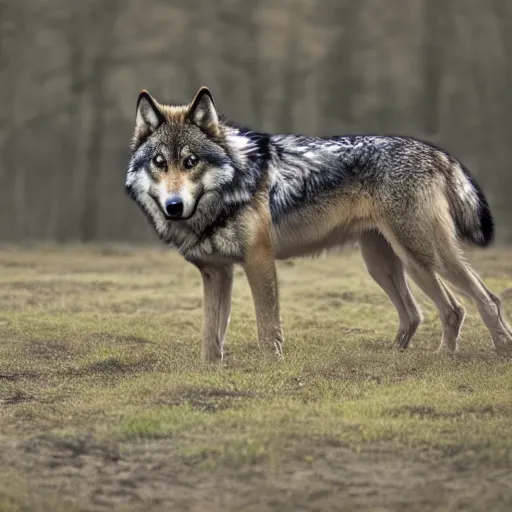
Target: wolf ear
[(149, 116), (202, 112)]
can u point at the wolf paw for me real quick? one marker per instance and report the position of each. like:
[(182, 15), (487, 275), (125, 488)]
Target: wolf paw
[(272, 348), (503, 343), (212, 356), (445, 350), (504, 349), (403, 338)]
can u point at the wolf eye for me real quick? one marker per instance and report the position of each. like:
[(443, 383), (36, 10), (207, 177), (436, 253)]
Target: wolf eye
[(159, 161), (190, 161)]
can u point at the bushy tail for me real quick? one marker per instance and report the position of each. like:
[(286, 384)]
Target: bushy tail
[(470, 209)]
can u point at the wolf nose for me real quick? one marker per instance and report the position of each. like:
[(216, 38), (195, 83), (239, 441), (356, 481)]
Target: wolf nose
[(174, 207)]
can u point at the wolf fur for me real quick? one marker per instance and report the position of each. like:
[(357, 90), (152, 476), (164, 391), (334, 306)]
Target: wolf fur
[(222, 194)]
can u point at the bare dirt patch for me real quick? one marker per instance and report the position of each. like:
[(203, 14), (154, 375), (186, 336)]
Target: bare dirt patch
[(490, 411), (16, 398), (118, 339), (46, 349), (114, 366), (206, 400), (14, 376), (153, 475)]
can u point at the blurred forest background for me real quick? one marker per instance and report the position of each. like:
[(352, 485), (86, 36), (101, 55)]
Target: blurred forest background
[(70, 72)]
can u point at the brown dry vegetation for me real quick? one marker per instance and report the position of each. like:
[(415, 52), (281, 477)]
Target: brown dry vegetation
[(104, 404)]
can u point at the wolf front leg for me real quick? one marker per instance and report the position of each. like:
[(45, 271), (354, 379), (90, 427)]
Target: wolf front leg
[(260, 270), (217, 286)]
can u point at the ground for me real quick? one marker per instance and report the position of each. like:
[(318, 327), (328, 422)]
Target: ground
[(105, 405)]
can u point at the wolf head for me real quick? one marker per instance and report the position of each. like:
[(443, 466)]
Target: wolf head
[(179, 159)]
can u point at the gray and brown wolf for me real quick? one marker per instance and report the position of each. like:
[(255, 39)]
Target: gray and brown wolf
[(222, 194)]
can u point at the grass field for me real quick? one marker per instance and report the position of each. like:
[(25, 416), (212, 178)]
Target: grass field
[(104, 404)]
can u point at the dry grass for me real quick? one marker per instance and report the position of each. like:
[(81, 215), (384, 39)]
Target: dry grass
[(104, 404)]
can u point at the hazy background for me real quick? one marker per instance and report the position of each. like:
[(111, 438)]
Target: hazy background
[(70, 72)]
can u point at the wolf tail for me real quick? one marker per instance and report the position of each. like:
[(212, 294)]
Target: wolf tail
[(470, 209)]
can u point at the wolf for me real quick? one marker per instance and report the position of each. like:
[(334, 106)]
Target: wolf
[(225, 195)]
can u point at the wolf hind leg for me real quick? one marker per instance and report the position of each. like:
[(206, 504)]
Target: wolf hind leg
[(420, 260), (452, 313), (458, 271), (497, 301), (495, 298), (387, 270), (459, 318)]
